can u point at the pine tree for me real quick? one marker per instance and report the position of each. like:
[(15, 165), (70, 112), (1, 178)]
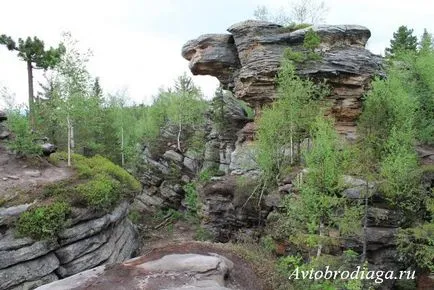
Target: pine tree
[(426, 42), (33, 52), (403, 40)]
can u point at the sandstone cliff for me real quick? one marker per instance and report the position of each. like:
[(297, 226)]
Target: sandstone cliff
[(247, 60)]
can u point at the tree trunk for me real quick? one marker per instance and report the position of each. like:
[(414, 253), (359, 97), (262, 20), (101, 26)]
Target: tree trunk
[(69, 140), (122, 148), (365, 225), (179, 136), (291, 152), (321, 234), (31, 97)]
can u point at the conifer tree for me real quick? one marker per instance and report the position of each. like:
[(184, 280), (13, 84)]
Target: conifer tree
[(33, 52), (403, 40)]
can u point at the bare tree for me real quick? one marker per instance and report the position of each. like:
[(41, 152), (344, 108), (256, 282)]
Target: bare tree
[(301, 11), (309, 11)]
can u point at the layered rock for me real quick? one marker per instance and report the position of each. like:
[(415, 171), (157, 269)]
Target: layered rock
[(92, 239), (187, 266), (164, 174), (227, 206), (250, 58)]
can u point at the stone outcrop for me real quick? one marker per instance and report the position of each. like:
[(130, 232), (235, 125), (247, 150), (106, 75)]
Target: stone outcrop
[(164, 174), (187, 266), (91, 239), (227, 207), (4, 133), (247, 60)]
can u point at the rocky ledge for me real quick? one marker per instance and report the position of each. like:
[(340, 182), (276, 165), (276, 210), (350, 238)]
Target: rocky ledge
[(92, 239), (186, 266), (247, 60)]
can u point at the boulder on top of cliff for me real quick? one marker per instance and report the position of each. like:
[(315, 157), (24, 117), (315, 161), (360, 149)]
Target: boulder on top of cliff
[(256, 48)]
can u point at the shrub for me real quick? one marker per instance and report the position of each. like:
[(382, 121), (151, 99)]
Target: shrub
[(22, 142), (43, 222), (191, 198), (416, 245)]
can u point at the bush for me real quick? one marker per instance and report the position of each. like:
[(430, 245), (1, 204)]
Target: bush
[(43, 222), (191, 198), (416, 245), (22, 143)]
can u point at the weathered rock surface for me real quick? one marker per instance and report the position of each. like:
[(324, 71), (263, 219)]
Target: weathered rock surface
[(189, 266), (251, 56), (92, 240), (226, 206)]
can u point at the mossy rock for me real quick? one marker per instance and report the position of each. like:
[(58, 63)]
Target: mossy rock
[(44, 222)]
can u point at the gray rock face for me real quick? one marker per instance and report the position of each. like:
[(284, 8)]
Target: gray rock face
[(173, 156), (225, 207), (257, 48), (173, 271), (25, 263), (35, 250), (28, 271)]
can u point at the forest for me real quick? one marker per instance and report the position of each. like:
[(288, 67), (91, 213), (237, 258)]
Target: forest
[(295, 135)]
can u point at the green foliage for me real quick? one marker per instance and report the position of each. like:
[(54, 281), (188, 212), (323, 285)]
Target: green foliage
[(403, 40), (101, 183), (416, 245), (286, 123), (387, 108), (295, 56), (23, 140), (311, 40), (43, 222), (310, 43), (134, 216), (101, 192), (33, 50), (268, 243), (191, 198), (202, 234), (206, 174)]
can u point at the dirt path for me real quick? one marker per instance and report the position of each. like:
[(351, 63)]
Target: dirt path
[(20, 178)]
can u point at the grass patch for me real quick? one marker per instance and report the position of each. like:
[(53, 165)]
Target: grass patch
[(43, 222)]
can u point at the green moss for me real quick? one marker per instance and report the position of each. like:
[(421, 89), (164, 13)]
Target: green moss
[(102, 192), (100, 183), (43, 222)]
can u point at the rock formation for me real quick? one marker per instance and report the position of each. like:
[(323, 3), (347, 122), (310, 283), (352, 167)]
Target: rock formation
[(92, 239), (247, 60), (187, 266)]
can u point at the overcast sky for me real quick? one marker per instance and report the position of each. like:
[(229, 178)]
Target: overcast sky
[(137, 44)]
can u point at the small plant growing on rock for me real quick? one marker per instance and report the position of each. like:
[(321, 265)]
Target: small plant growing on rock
[(44, 222)]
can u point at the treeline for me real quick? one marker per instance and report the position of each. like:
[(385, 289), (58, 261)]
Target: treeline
[(73, 111)]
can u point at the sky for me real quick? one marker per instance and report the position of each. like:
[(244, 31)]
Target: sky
[(137, 44)]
